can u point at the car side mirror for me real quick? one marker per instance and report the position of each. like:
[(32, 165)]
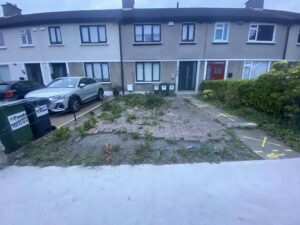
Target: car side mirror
[(81, 85)]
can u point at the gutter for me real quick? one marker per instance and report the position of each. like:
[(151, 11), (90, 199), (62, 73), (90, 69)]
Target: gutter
[(121, 58), (286, 41)]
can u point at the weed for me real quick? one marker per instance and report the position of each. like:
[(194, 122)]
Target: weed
[(135, 135), (142, 153), (148, 101), (87, 125), (171, 141), (130, 118), (111, 111), (148, 136), (90, 160), (61, 134), (115, 148)]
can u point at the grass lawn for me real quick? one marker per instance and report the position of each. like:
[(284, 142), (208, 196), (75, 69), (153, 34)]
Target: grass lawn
[(275, 126)]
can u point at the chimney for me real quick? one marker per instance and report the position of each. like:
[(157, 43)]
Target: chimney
[(255, 4), (127, 4), (10, 10)]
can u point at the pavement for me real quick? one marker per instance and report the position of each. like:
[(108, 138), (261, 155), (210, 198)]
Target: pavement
[(248, 192), (258, 140)]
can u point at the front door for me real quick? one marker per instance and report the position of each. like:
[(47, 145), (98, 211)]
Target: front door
[(58, 70), (217, 71), (187, 76), (34, 72)]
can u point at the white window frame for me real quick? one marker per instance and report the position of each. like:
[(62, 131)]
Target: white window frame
[(224, 40), (258, 24), (188, 32), (23, 31), (2, 34), (249, 63), (298, 37)]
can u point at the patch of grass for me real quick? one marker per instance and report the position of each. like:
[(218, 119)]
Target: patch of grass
[(111, 111), (148, 101), (87, 125), (148, 136), (171, 141), (90, 160), (135, 135), (277, 127), (130, 118), (142, 153), (61, 134)]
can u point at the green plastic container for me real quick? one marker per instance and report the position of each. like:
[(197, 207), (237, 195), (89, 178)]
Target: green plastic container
[(172, 89), (15, 130), (164, 89)]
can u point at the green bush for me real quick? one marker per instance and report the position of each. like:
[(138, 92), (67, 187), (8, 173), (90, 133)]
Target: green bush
[(276, 92)]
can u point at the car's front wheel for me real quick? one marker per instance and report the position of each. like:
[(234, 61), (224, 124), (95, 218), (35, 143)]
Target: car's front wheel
[(100, 94), (74, 104)]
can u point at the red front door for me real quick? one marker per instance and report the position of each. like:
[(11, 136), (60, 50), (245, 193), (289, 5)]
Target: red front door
[(217, 71)]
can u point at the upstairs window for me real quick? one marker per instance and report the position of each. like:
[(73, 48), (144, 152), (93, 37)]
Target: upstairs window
[(147, 33), (98, 71), (221, 32), (93, 34), (148, 72), (188, 32), (55, 35), (2, 43), (261, 33), (26, 38)]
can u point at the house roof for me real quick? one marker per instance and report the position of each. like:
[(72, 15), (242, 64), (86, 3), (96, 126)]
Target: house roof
[(152, 15)]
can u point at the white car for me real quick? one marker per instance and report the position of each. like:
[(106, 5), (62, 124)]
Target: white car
[(68, 93)]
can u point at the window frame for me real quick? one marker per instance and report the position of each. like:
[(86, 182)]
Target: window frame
[(101, 63), (249, 64), (26, 35), (152, 39), (223, 31), (188, 30), (89, 34), (152, 65), (2, 34), (262, 24), (298, 38), (55, 29)]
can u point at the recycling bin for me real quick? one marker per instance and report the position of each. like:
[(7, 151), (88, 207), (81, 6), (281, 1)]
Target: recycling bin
[(172, 89), (15, 130), (38, 115), (164, 89), (156, 89)]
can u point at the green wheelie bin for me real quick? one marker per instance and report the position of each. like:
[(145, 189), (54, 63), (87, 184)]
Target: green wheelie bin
[(15, 129)]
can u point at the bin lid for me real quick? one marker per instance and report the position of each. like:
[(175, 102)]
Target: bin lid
[(12, 103)]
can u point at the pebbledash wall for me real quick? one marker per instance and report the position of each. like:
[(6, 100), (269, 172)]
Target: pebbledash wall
[(238, 55)]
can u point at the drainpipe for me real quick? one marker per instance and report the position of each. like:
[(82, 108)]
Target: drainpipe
[(286, 41), (121, 59)]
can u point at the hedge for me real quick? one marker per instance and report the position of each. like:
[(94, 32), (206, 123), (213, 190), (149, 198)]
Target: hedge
[(276, 92)]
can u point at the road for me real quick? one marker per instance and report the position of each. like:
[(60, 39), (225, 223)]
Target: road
[(60, 119), (264, 192)]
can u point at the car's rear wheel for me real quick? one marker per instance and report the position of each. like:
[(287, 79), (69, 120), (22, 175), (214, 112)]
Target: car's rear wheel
[(74, 104), (100, 94)]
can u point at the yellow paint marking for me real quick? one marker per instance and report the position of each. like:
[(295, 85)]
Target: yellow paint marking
[(288, 150), (226, 116), (274, 155), (258, 151), (255, 139), (275, 150), (264, 142)]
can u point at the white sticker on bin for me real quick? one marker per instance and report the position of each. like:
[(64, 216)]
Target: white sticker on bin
[(156, 88), (41, 110), (172, 87), (18, 120), (164, 87)]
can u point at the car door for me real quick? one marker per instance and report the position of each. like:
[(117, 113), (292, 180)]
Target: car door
[(83, 92), (93, 87)]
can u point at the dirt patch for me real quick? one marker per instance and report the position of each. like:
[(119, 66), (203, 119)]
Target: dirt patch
[(172, 131)]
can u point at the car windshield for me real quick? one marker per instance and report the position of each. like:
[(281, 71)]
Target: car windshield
[(3, 86), (64, 83)]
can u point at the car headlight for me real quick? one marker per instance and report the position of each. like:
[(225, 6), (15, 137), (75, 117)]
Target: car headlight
[(57, 98)]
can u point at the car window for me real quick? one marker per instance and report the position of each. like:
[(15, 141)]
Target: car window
[(63, 83), (4, 87), (24, 85), (91, 81), (84, 81)]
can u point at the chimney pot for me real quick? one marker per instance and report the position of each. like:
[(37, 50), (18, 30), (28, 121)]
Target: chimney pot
[(128, 4), (255, 4)]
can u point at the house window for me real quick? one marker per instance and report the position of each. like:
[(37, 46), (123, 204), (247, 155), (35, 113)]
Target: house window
[(99, 71), (147, 33), (188, 32), (261, 33), (26, 38), (147, 71), (221, 32), (2, 43), (252, 69), (298, 41), (55, 35), (93, 34)]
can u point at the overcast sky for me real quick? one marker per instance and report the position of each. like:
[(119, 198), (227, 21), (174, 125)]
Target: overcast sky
[(35, 6)]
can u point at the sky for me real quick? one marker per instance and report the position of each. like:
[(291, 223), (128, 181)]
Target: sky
[(36, 6)]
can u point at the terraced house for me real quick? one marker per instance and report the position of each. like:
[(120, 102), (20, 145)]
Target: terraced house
[(136, 48)]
